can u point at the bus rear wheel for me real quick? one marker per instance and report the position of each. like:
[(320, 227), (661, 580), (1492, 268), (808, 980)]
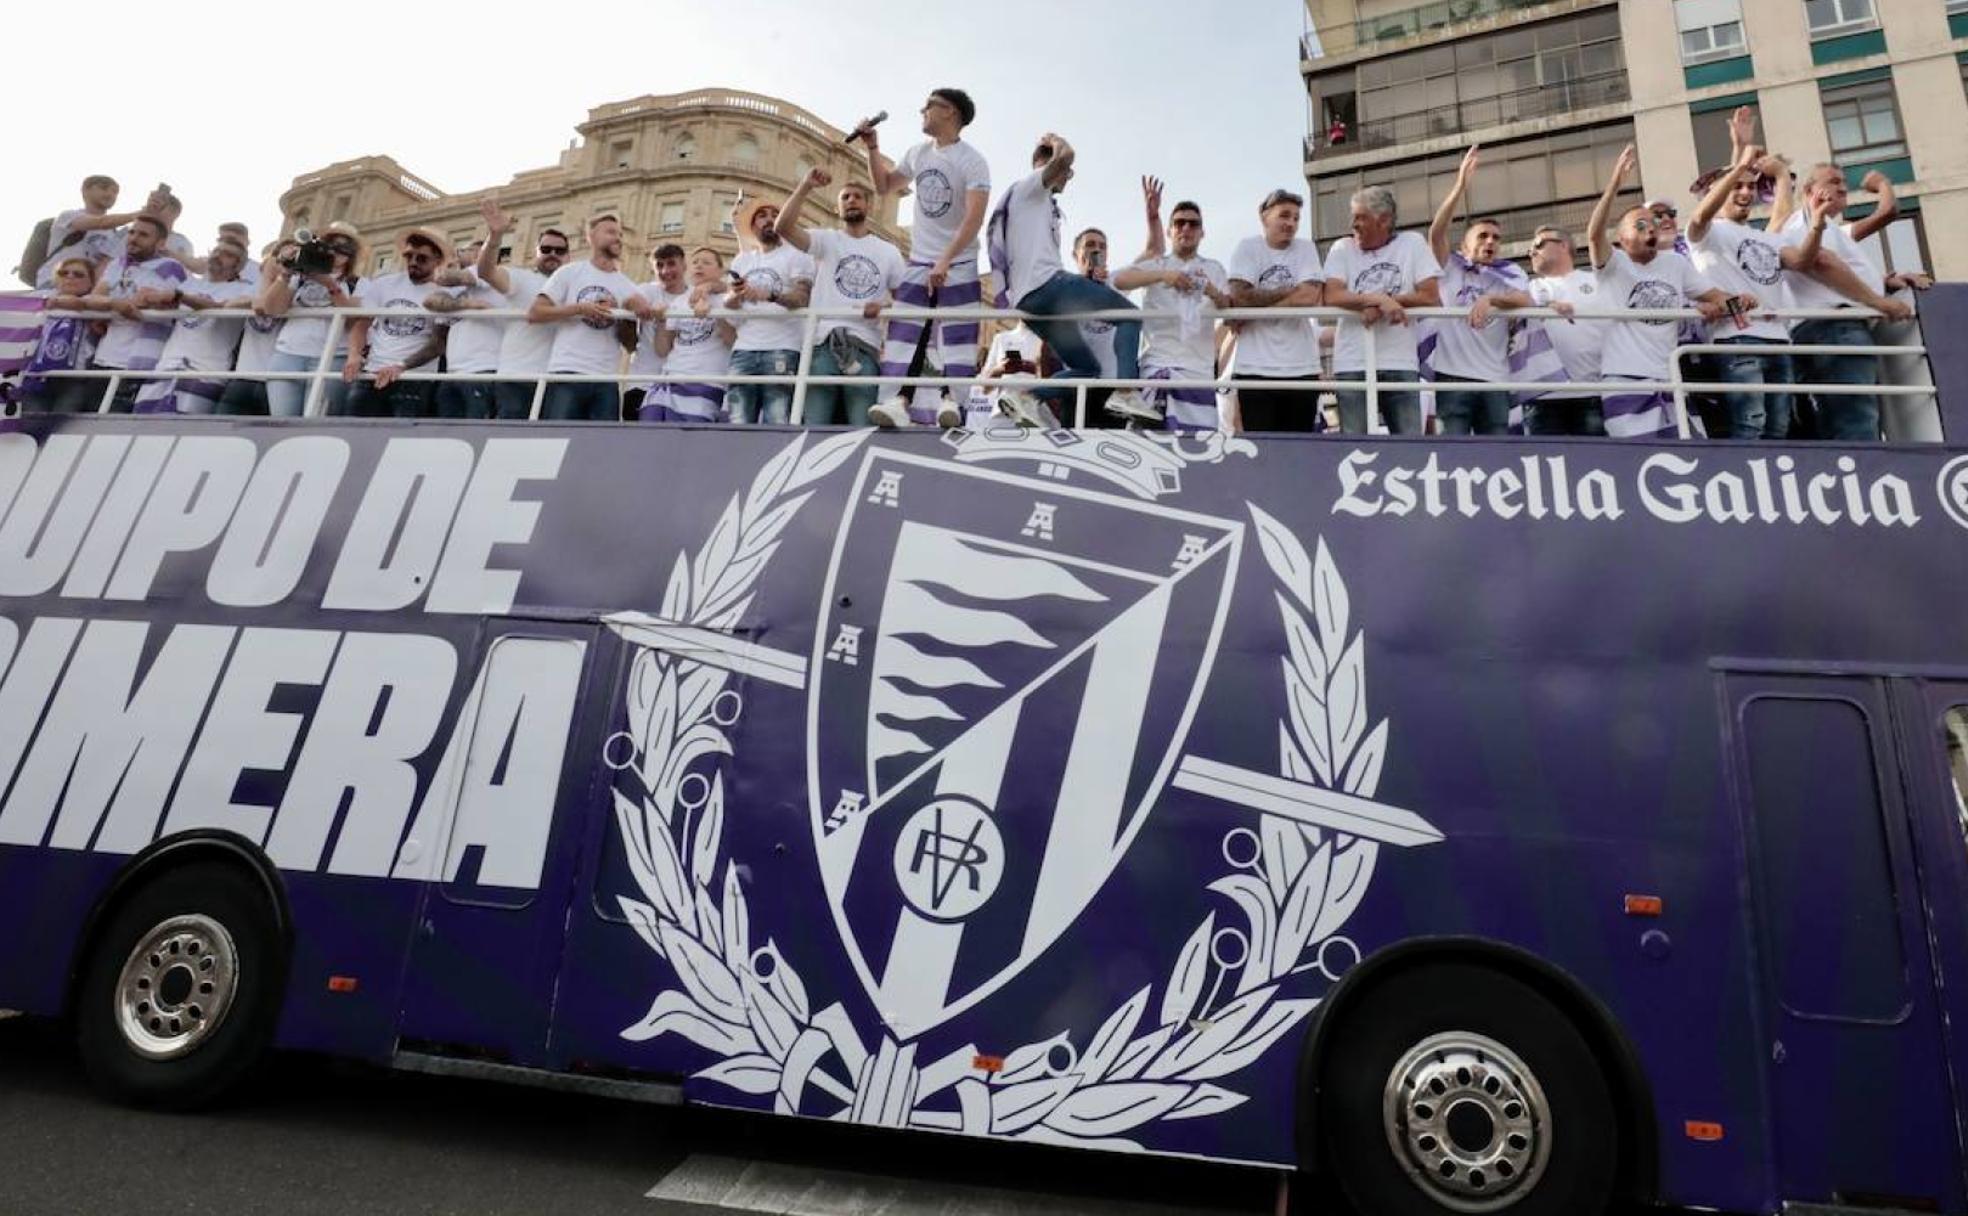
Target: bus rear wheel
[(1458, 1089), (178, 995)]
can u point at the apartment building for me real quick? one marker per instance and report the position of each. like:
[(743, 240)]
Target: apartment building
[(1552, 90)]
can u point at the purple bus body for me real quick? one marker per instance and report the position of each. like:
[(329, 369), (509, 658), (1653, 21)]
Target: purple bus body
[(1549, 709)]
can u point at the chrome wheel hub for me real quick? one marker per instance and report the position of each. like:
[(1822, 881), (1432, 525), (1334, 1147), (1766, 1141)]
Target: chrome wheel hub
[(1468, 1121), (176, 987)]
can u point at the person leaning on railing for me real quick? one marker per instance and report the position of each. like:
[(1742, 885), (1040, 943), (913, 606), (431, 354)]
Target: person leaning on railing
[(66, 342), (256, 344), (1380, 274)]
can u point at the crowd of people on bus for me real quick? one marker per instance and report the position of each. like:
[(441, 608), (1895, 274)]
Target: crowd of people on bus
[(584, 317)]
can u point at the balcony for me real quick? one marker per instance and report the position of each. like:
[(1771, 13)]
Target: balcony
[(1544, 101), (1369, 33)]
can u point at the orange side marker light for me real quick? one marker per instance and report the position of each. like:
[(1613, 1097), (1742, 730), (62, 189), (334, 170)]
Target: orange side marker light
[(1707, 1133), (1643, 905), (342, 983)]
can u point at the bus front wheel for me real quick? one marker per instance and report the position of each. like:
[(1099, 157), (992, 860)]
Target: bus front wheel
[(180, 990), (1458, 1089)]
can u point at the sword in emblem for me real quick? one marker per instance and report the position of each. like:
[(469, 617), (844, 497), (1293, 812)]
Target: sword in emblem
[(713, 647), (1307, 803)]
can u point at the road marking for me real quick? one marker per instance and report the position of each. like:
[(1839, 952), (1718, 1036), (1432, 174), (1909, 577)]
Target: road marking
[(737, 1185)]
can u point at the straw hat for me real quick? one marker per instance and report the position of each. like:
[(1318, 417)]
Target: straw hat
[(741, 219)]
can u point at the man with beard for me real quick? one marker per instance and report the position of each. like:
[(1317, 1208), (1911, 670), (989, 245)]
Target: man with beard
[(772, 278), (1181, 347), (395, 345), (141, 277), (205, 341), (523, 350), (1641, 274), (1743, 260), (951, 182), (580, 300), (853, 268), (1278, 270), (1477, 349), (647, 400), (473, 346)]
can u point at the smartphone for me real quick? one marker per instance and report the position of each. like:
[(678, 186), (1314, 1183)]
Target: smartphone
[(1737, 313)]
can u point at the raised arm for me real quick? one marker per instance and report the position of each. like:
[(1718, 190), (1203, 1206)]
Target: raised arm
[(1602, 211), (1742, 132), (1438, 228), (1151, 200), (882, 173), (1885, 213), (1060, 168), (788, 226), (1784, 205), (1718, 194), (497, 224)]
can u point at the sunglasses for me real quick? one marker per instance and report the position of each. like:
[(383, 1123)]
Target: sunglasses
[(1665, 213), (553, 249), (1186, 223), (418, 255), (1543, 241), (1643, 225), (341, 247)]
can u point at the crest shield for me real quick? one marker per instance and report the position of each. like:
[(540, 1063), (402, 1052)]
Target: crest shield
[(1004, 671)]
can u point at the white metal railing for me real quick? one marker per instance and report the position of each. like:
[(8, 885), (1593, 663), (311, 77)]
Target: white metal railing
[(1371, 384)]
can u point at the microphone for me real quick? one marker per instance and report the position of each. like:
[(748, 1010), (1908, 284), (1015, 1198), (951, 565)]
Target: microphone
[(881, 116)]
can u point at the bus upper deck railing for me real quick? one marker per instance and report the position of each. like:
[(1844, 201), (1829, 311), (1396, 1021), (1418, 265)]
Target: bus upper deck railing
[(1371, 384)]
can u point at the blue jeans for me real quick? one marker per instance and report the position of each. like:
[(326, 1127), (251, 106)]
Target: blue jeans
[(285, 398), (1850, 416), (582, 403), (1483, 411), (404, 399), (1754, 415), (515, 398), (1400, 410), (1070, 293), (833, 404), (469, 400), (766, 403), (1566, 416)]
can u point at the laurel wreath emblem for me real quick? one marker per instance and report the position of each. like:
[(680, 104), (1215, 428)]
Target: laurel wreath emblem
[(1153, 1058)]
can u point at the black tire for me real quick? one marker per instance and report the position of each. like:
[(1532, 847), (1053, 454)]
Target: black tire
[(229, 1035), (1402, 1012)]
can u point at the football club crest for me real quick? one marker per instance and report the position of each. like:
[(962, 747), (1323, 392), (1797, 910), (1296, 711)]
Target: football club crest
[(1002, 677)]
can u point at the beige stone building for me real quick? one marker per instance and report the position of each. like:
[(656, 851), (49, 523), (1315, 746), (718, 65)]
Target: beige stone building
[(1552, 89), (671, 167)]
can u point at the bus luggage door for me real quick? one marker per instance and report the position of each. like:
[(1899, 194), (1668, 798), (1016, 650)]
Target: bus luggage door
[(502, 821), (1857, 1083)]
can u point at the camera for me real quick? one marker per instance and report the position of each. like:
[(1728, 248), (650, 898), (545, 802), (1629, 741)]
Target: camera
[(312, 256)]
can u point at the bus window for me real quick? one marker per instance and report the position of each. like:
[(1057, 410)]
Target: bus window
[(1956, 727)]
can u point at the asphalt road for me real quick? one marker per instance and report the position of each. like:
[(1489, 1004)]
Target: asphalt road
[(321, 1137)]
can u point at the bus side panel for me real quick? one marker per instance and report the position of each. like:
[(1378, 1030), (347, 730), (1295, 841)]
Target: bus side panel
[(46, 898)]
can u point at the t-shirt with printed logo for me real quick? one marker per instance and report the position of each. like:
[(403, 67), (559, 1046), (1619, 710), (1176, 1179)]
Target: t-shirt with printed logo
[(584, 347), (205, 340), (1277, 348), (942, 181), (395, 340), (767, 325), (1397, 268), (1742, 260), (1643, 349), (120, 280), (852, 272)]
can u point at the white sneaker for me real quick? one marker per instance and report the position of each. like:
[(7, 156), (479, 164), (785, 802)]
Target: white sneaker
[(948, 415), (1022, 407), (1132, 405), (891, 414)]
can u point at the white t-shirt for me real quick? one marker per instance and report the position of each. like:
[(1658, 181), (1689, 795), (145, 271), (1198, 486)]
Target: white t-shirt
[(120, 280), (1579, 343), (944, 179), (581, 346), (1465, 351), (1400, 266), (1020, 339), (1186, 343), (645, 361), (852, 272), (698, 349), (475, 342), (304, 335), (1032, 224), (1807, 292), (1742, 260), (1643, 348), (98, 246), (256, 345), (765, 325), (396, 339), (1277, 348), (526, 346), (205, 341)]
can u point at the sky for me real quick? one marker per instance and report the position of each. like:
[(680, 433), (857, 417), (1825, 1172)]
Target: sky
[(1205, 95)]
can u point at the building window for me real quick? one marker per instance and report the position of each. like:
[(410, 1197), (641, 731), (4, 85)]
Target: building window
[(622, 152), (1710, 29), (341, 208), (745, 150), (1900, 248), (722, 207), (1712, 136), (1828, 18), (383, 260), (1863, 123), (672, 218), (801, 168), (686, 147)]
